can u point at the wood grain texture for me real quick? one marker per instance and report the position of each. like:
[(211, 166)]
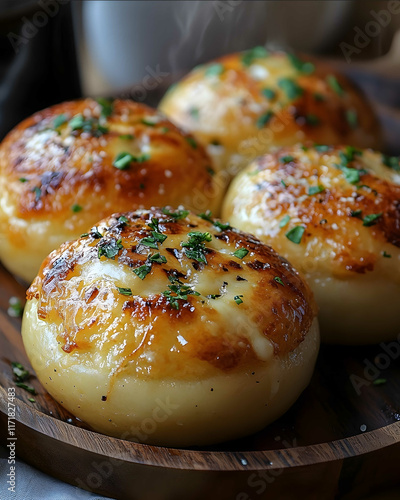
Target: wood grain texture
[(315, 451)]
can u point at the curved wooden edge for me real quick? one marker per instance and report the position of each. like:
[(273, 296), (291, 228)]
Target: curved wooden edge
[(199, 460)]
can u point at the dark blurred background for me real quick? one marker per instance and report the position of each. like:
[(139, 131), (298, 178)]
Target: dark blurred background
[(55, 50)]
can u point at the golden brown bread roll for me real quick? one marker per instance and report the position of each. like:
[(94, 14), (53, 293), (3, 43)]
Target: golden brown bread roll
[(157, 309), (68, 166), (243, 104), (334, 212)]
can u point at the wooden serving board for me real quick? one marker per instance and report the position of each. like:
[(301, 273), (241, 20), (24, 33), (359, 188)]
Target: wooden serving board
[(332, 442)]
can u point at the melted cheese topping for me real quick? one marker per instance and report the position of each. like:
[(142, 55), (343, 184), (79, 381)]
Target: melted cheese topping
[(250, 102), (57, 179), (346, 202), (242, 325)]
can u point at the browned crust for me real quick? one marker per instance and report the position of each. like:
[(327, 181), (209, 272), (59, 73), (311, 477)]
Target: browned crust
[(57, 176), (282, 313), (337, 205), (291, 116)]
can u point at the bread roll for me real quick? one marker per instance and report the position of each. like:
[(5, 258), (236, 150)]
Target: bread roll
[(68, 166), (334, 212), (244, 104), (163, 327)]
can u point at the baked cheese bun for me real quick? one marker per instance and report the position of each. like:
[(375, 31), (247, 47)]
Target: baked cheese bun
[(66, 167), (172, 329), (334, 212), (243, 104)]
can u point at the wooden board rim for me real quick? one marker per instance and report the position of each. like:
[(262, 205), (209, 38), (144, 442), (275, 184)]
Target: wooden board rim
[(188, 459)]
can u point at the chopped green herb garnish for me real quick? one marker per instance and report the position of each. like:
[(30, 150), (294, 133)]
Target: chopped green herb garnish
[(352, 118), (223, 226), (387, 255), (77, 122), (178, 292), (164, 130), (286, 159), (127, 137), (237, 299), (159, 259), (19, 372), (210, 170), (160, 238), (349, 154), (194, 113), (391, 162), (379, 381), (15, 307), (142, 271), (302, 66), (177, 214), (269, 93), (356, 213), (335, 85), (90, 125), (284, 222), (352, 175), (264, 119), (371, 219), (319, 97), (283, 183), (23, 179), (107, 107), (192, 142), (278, 280), (27, 388), (214, 70), (150, 121), (149, 241), (156, 236), (154, 225), (38, 193), (124, 291), (76, 208), (109, 248), (322, 148), (249, 56), (213, 296), (32, 400), (290, 87), (315, 190), (240, 253), (312, 120), (123, 161), (94, 233), (195, 247), (123, 220), (295, 234), (59, 120)]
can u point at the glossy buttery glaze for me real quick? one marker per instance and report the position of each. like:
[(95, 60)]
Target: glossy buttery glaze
[(231, 355), (242, 105), (348, 203), (58, 174)]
